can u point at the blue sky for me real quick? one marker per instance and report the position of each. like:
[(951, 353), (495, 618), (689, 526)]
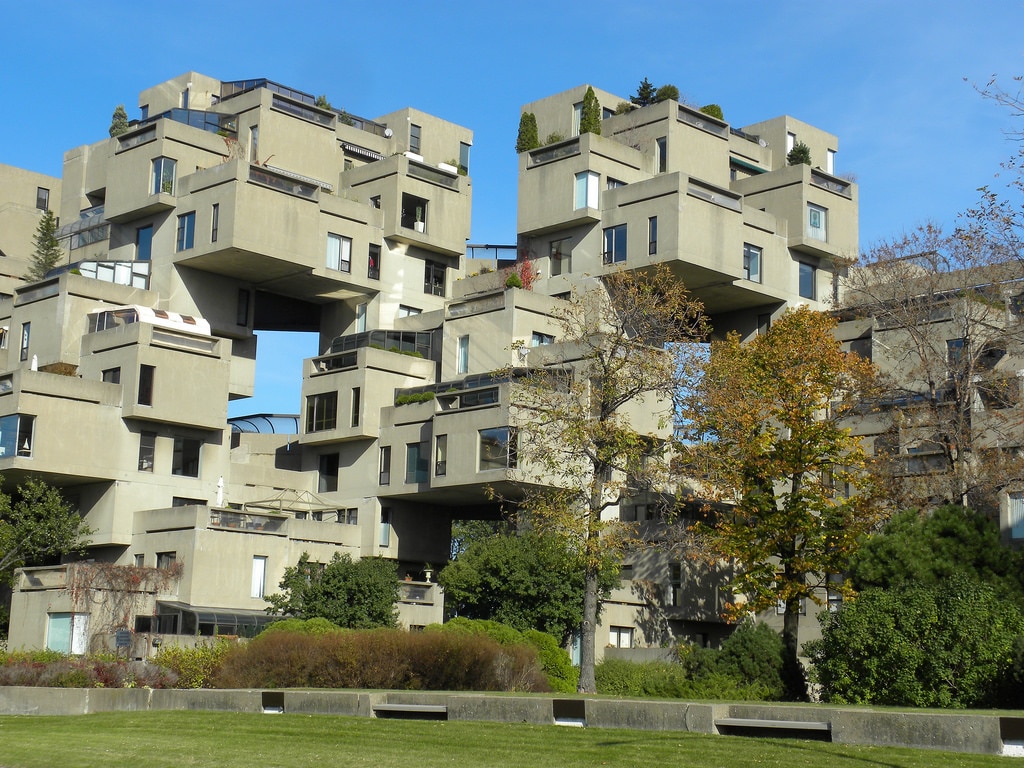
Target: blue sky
[(887, 77)]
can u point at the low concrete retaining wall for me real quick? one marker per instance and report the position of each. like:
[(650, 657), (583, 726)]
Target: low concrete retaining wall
[(950, 731)]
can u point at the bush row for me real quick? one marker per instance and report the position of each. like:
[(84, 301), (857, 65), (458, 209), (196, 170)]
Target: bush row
[(53, 670)]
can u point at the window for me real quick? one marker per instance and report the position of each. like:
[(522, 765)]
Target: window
[(360, 317), (373, 262), (586, 190), (807, 280), (752, 263), (321, 411), (348, 516), (147, 451), (620, 637), (163, 175), (384, 538), (433, 278), (661, 145), (414, 212), (242, 307), (111, 375), (328, 473), (462, 360), (560, 255), (540, 339), (463, 158), (254, 144), (817, 222), (615, 244), (405, 311), (955, 351), (577, 117), (675, 584), (147, 374), (259, 576), (26, 333), (611, 183), (16, 435), (355, 407), (144, 243), (385, 465), (790, 142), (166, 559), (339, 252), (67, 632), (414, 138), (185, 459), (214, 222), (42, 198), (417, 458), (26, 427), (830, 161), (140, 561), (652, 235), (1015, 514), (186, 237), (440, 454), (498, 448)]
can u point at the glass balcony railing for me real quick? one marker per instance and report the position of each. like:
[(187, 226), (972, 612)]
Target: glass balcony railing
[(246, 522)]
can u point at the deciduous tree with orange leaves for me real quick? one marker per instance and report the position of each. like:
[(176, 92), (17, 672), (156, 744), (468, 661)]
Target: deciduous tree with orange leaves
[(762, 431)]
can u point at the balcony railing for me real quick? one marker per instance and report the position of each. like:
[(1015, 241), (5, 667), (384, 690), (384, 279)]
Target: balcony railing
[(416, 592), (245, 521), (831, 183), (286, 184), (556, 152), (211, 122)]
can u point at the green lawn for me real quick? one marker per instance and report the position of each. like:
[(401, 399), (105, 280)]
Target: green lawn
[(175, 739)]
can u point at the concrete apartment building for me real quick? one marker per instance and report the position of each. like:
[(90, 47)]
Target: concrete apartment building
[(234, 207)]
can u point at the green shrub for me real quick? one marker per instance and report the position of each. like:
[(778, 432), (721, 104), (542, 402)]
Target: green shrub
[(800, 153), (712, 110), (195, 667), (670, 680), (554, 137), (513, 281), (417, 397), (527, 138), (753, 655), (314, 626)]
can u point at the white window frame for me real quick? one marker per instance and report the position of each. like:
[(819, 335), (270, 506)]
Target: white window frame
[(258, 584), (585, 190), (752, 257), (462, 357), (339, 252)]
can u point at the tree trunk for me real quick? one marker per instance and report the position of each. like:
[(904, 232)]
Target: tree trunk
[(588, 633), (793, 678)]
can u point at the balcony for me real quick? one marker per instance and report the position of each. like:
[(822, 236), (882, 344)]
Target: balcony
[(248, 522)]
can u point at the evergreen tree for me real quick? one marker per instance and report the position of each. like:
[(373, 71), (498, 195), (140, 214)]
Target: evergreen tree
[(528, 138), (590, 120), (666, 93), (48, 252), (712, 110), (118, 121), (800, 153), (645, 94)]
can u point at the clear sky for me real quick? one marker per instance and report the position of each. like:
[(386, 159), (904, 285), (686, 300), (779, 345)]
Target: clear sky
[(886, 76)]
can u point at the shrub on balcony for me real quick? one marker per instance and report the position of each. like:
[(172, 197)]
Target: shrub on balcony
[(417, 397), (712, 110), (590, 118), (800, 153), (527, 138)]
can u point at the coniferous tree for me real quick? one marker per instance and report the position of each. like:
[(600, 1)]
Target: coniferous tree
[(528, 138), (645, 94), (590, 120), (48, 252), (118, 121), (667, 92), (800, 153)]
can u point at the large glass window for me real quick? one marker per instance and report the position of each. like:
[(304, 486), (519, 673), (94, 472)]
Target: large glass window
[(42, 198), (163, 175), (144, 243), (433, 278), (615, 244), (259, 576), (67, 632), (440, 454), (807, 279), (498, 448), (186, 237), (339, 252), (752, 262), (321, 411), (185, 459), (661, 145), (817, 222), (414, 138), (462, 362), (384, 539), (560, 256), (463, 158), (328, 473), (147, 451), (586, 190), (417, 462), (360, 317), (147, 374), (414, 212), (373, 262), (385, 465), (16, 435)]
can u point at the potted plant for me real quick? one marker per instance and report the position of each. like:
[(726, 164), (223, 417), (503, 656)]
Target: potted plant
[(419, 219)]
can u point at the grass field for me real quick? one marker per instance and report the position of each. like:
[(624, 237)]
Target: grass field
[(224, 740)]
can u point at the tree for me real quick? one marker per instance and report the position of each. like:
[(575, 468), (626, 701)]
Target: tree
[(799, 154), (118, 121), (322, 102), (358, 594), (522, 579), (527, 138), (761, 432), (645, 94), (37, 525), (667, 92), (929, 548), (47, 253), (590, 120), (945, 645), (712, 110), (593, 422), (945, 312)]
